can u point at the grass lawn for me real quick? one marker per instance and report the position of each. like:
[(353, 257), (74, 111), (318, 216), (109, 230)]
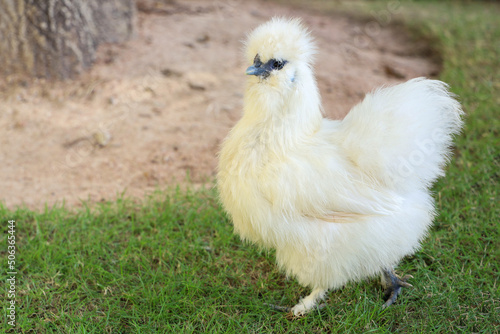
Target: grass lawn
[(172, 264)]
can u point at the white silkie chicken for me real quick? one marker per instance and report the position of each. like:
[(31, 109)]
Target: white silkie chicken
[(339, 200)]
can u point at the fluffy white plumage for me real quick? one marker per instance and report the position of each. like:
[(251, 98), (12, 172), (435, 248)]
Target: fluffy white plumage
[(339, 200)]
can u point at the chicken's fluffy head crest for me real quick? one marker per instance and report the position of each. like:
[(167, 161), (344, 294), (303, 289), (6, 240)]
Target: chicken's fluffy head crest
[(276, 43)]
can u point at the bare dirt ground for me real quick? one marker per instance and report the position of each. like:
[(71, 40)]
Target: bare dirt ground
[(156, 108)]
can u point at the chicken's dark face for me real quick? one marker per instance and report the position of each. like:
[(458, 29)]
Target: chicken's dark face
[(264, 70), (272, 71)]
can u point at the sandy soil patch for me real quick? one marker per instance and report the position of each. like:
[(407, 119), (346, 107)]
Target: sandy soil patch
[(156, 108)]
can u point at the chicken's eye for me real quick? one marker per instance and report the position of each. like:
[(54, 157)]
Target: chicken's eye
[(278, 64)]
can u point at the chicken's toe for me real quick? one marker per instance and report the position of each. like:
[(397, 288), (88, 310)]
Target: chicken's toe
[(279, 308)]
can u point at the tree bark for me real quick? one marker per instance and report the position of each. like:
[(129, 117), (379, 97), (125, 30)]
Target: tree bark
[(59, 38)]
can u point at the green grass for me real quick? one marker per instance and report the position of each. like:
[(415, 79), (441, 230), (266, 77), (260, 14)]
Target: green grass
[(172, 264)]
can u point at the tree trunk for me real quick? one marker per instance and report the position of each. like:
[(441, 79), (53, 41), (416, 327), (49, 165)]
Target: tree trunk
[(58, 38)]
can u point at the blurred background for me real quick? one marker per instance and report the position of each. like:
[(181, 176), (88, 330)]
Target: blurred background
[(102, 97)]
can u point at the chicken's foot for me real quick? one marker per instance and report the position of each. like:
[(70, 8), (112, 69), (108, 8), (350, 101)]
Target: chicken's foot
[(305, 305), (393, 284)]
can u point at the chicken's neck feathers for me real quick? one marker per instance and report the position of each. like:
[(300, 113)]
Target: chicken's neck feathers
[(280, 118)]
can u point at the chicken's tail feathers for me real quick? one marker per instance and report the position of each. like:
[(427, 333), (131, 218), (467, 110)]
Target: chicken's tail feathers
[(402, 135)]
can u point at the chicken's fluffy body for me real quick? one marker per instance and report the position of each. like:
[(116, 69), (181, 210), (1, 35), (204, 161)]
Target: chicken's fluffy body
[(339, 200)]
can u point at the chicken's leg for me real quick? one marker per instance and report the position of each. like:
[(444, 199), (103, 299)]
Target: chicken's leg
[(393, 284), (306, 304)]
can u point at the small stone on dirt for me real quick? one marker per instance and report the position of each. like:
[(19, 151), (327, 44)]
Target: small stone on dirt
[(169, 73), (201, 80)]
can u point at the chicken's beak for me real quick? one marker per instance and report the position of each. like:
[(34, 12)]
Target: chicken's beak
[(254, 70)]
